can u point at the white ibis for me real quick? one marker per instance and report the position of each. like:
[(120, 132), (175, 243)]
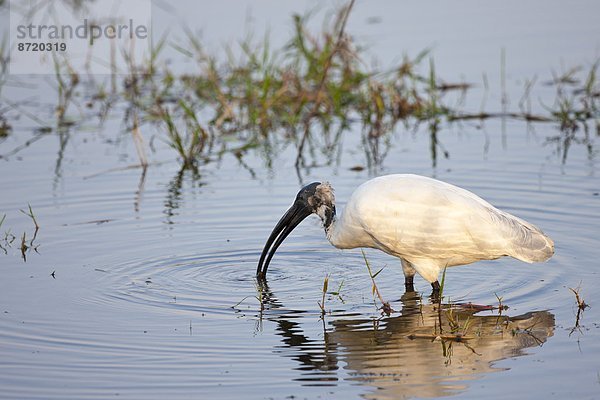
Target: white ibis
[(428, 224)]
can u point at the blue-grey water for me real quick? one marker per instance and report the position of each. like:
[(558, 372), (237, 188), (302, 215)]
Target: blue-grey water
[(142, 286)]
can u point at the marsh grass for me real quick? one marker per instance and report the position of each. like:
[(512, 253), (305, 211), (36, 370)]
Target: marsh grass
[(24, 247), (307, 95), (309, 92), (338, 292), (581, 307), (313, 89), (7, 239), (5, 127), (385, 306), (67, 80), (501, 306), (581, 304), (324, 292), (453, 324), (25, 244), (261, 296), (457, 327), (138, 139), (30, 214)]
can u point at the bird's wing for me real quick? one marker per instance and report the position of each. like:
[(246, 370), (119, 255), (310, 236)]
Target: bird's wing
[(417, 217)]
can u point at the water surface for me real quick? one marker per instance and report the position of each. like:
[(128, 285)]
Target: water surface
[(153, 293)]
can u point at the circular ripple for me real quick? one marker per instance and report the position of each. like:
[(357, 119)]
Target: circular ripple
[(214, 283), (198, 283)]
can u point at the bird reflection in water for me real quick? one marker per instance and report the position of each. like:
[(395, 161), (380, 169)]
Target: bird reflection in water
[(401, 357)]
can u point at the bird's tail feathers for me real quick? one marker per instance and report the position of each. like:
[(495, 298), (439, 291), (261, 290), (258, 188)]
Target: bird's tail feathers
[(529, 243)]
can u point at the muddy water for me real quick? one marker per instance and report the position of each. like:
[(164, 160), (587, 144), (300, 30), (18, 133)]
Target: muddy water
[(143, 284)]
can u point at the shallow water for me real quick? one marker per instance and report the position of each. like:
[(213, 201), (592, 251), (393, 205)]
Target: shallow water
[(153, 294), (142, 304)]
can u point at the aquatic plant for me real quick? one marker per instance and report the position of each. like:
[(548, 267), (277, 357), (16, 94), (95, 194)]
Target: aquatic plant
[(308, 94), (581, 307), (385, 306), (26, 244), (67, 79), (4, 51), (322, 302)]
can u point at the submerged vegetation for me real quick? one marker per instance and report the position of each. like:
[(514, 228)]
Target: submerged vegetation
[(307, 94), (26, 244)]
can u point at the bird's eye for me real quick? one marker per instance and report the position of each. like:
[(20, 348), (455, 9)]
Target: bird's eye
[(314, 201)]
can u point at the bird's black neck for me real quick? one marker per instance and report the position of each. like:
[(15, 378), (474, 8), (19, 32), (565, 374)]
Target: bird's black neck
[(329, 217)]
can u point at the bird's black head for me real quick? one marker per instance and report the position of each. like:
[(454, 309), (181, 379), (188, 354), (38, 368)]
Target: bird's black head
[(315, 198)]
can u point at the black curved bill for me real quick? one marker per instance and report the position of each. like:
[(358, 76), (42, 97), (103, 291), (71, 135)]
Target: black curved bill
[(296, 214)]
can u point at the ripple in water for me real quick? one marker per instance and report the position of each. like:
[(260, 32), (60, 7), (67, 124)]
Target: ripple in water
[(195, 283)]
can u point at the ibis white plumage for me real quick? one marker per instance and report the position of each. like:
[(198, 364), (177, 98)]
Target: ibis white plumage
[(428, 224)]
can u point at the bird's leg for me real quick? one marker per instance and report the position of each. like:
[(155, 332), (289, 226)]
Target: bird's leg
[(409, 283), (435, 292), (409, 274)]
